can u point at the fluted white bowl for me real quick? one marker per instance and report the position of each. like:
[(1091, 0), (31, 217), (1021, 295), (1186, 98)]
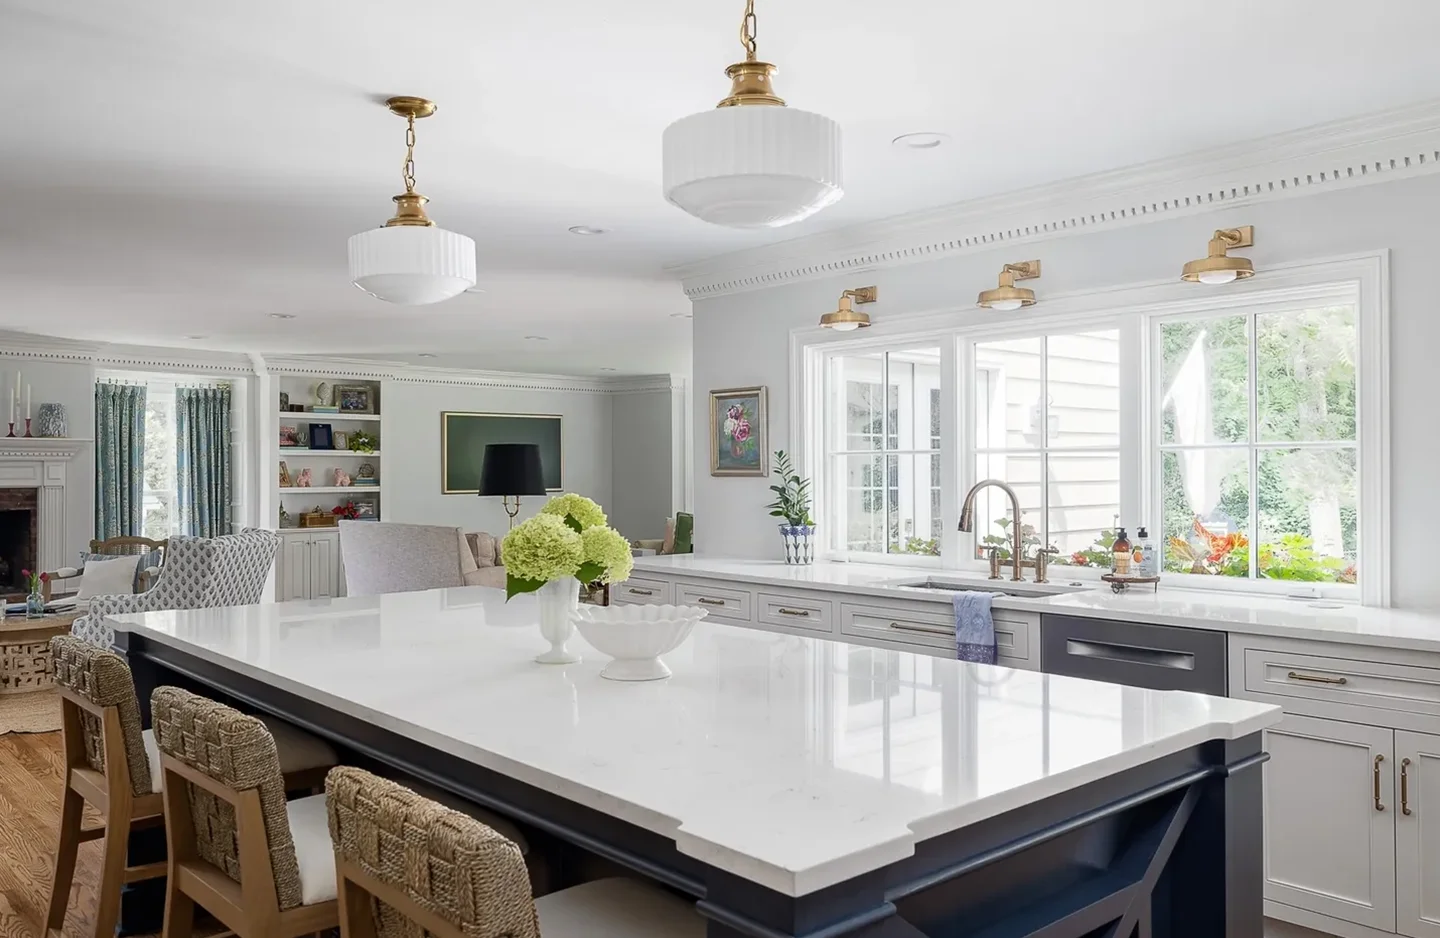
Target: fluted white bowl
[(636, 636)]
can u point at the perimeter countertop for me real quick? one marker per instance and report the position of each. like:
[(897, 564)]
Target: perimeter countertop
[(762, 755), (1169, 605)]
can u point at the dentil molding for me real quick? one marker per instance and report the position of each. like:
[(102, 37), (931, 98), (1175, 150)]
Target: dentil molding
[(1377, 148)]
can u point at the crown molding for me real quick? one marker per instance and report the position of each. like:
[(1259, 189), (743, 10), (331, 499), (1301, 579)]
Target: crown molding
[(22, 447), (516, 381), (1376, 148), (107, 355)]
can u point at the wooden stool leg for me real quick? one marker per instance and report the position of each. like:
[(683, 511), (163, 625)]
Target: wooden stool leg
[(112, 874), (179, 912), (67, 848)]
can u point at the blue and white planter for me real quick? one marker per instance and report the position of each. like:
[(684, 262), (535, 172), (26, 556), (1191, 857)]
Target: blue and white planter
[(799, 542)]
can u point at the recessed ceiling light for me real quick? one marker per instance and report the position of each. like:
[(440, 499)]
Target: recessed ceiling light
[(588, 230), (538, 338), (282, 315), (682, 315), (925, 140), (197, 337), (607, 369), (424, 355)]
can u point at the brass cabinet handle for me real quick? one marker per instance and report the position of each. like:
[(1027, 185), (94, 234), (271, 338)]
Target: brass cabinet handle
[(1379, 805), (640, 592), (1316, 678), (901, 626), (803, 613), (1405, 788), (705, 601)]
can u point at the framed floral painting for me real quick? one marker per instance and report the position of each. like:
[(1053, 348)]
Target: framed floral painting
[(738, 432)]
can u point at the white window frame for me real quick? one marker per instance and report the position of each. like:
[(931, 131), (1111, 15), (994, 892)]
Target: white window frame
[(1362, 279)]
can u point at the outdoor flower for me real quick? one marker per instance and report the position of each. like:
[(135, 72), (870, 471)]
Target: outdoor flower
[(538, 550), (584, 511), (607, 549)]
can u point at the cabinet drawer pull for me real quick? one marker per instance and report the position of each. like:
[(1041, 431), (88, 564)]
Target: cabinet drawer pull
[(1405, 788), (706, 601), (640, 592), (1316, 678), (926, 629), (802, 613), (1379, 805)]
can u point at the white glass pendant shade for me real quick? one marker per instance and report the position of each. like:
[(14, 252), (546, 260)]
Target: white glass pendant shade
[(1006, 305), (412, 265), (845, 326), (1218, 276), (753, 166)]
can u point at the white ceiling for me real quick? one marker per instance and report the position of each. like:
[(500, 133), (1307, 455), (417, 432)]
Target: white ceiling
[(186, 167)]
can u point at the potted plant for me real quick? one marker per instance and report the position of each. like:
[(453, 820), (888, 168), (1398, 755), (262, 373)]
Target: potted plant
[(792, 503), (566, 546)]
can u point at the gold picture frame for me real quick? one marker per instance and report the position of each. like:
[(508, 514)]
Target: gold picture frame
[(554, 481), (739, 432)]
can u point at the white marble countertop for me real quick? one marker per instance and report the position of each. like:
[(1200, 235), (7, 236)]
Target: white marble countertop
[(783, 759), (1169, 605)]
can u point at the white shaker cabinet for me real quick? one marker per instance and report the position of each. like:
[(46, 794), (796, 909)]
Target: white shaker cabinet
[(309, 566), (1329, 823), (1417, 833)]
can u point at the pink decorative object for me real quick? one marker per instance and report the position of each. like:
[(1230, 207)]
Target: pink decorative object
[(341, 478), (302, 481)]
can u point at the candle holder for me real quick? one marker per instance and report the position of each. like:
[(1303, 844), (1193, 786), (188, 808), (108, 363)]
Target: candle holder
[(12, 430), (27, 429)]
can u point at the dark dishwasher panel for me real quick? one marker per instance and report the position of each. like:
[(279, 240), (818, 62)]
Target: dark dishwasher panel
[(1156, 656)]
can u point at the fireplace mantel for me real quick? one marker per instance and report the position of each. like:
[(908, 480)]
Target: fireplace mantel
[(43, 464)]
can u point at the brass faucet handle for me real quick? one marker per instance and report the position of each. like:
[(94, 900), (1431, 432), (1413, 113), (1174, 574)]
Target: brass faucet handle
[(994, 551), (1042, 562)]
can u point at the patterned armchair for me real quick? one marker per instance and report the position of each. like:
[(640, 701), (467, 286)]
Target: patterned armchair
[(199, 573)]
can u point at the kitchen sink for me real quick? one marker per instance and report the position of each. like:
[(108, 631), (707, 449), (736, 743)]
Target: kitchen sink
[(1008, 587)]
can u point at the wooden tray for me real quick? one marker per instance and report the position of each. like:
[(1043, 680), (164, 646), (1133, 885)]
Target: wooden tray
[(1120, 584)]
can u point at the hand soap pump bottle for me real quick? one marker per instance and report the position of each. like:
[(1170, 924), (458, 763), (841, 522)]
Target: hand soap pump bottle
[(1120, 554), (1147, 562)]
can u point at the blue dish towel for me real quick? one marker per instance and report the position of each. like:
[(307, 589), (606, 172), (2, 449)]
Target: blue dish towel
[(974, 627)]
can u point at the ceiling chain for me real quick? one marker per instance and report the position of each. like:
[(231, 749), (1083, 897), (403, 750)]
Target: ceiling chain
[(748, 29), (408, 171)]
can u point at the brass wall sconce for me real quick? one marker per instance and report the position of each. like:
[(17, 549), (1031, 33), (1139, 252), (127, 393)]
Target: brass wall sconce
[(1007, 296), (846, 318), (1219, 268)]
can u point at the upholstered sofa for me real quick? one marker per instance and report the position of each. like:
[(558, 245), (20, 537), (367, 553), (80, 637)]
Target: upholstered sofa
[(490, 569)]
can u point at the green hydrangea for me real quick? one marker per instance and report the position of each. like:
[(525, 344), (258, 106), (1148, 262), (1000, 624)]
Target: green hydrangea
[(584, 511), (607, 550), (538, 550)]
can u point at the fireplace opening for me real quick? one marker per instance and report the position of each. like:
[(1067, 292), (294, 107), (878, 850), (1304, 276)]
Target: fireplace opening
[(19, 537)]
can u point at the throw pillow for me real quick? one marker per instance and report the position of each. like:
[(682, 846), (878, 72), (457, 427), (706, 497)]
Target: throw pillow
[(108, 576), (151, 558), (483, 547)]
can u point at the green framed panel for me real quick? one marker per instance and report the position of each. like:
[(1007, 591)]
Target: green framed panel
[(463, 437)]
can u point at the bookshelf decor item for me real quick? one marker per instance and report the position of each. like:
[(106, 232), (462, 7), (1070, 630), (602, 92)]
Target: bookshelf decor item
[(320, 436), (354, 399), (342, 439)]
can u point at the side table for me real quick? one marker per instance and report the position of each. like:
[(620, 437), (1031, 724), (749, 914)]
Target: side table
[(25, 662)]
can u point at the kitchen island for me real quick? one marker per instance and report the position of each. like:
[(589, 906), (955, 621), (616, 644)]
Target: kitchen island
[(791, 785)]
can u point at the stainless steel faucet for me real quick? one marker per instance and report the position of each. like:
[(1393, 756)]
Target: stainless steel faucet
[(1017, 550)]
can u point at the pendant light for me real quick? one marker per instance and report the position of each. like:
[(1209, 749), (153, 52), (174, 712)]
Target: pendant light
[(1218, 267), (846, 318), (752, 162), (1007, 296), (410, 261)]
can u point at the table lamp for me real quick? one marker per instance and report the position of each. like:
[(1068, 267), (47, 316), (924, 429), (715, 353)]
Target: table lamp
[(511, 470)]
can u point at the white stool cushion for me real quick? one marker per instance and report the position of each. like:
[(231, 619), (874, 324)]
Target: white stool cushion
[(314, 853), (495, 822), (617, 908), (298, 750)]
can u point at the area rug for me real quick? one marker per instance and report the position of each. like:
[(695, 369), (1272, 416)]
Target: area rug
[(35, 712)]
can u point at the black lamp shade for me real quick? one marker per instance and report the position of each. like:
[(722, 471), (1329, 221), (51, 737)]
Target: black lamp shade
[(512, 469)]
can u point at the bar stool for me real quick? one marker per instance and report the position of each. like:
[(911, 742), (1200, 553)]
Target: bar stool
[(115, 766), (404, 863), (259, 864)]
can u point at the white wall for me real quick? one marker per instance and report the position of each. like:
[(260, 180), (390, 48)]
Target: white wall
[(410, 449), (643, 495), (74, 386), (743, 339)]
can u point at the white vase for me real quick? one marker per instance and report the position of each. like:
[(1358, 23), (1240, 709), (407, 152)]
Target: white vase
[(558, 601)]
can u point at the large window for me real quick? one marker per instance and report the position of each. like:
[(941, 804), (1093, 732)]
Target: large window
[(1232, 424)]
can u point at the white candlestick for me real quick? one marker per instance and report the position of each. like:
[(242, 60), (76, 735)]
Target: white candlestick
[(27, 402), (12, 405)]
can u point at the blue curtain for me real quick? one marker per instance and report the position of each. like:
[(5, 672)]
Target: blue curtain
[(202, 454), (119, 460)]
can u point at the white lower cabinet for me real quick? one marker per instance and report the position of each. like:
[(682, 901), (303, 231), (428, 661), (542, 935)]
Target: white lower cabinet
[(1330, 829), (1417, 834), (309, 566)]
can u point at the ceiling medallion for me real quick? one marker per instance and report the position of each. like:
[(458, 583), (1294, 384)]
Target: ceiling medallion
[(846, 318), (1007, 296), (410, 261), (752, 162), (1219, 268)]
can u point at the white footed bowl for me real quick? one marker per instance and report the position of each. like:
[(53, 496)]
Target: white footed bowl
[(636, 636)]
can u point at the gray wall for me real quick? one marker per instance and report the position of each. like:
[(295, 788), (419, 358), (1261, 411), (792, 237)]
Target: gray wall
[(743, 339), (644, 444)]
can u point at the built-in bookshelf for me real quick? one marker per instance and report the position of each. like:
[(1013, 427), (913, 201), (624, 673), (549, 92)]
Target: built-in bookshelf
[(352, 406)]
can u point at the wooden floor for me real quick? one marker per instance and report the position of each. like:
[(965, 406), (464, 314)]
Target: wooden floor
[(29, 812)]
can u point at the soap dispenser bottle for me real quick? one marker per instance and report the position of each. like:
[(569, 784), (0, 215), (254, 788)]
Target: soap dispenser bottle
[(1146, 561), (1120, 553)]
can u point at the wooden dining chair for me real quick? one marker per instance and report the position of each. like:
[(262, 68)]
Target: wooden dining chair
[(106, 765), (260, 865), (404, 864)]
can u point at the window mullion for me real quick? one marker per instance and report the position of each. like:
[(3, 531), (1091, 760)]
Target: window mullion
[(1253, 354), (1043, 528)]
